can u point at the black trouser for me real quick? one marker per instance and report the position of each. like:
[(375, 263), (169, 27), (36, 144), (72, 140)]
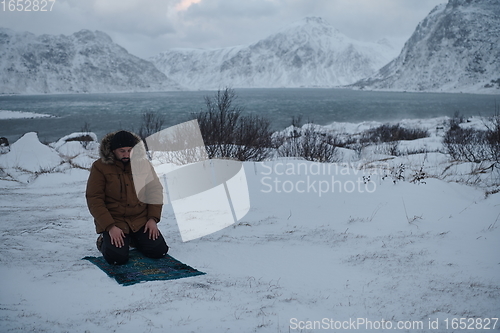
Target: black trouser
[(119, 256)]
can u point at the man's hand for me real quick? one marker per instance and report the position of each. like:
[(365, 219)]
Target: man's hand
[(151, 226), (116, 234)]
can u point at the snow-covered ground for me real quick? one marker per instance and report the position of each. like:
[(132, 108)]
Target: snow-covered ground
[(375, 252), (6, 114)]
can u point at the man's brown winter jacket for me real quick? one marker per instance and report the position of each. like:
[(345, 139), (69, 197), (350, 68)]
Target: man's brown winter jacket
[(111, 196)]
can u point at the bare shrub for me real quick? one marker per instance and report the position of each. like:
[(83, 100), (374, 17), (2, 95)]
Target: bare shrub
[(253, 138), (85, 128), (297, 121), (416, 151), (474, 145), (393, 148), (390, 133), (85, 139), (466, 144), (493, 136), (152, 122), (310, 145), (229, 134), (455, 122)]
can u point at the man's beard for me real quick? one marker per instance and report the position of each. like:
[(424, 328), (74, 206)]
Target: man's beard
[(125, 160)]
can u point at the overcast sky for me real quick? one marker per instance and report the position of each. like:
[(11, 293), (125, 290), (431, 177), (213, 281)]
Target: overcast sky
[(147, 27)]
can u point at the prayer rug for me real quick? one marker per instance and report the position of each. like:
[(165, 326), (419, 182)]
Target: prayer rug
[(140, 268)]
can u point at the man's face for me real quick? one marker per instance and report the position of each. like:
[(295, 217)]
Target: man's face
[(123, 154)]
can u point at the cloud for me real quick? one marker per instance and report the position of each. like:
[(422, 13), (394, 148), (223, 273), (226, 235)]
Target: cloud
[(233, 9), (369, 20), (147, 17), (220, 23), (185, 4), (145, 27)]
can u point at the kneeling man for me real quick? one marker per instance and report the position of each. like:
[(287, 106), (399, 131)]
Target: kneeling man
[(120, 217)]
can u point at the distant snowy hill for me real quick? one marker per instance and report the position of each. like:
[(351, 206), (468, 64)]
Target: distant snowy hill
[(456, 48), (309, 53), (83, 62)]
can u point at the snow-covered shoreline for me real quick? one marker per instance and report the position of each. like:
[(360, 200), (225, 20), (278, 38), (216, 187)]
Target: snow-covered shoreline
[(405, 252), (7, 114), (471, 90)]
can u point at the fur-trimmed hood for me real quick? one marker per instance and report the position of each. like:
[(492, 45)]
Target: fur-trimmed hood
[(105, 152)]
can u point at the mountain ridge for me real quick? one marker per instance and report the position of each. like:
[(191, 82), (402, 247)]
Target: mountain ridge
[(454, 49), (84, 62), (307, 53)]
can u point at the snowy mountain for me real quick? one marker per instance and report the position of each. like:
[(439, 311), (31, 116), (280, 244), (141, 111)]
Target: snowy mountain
[(455, 48), (309, 53), (83, 62)]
